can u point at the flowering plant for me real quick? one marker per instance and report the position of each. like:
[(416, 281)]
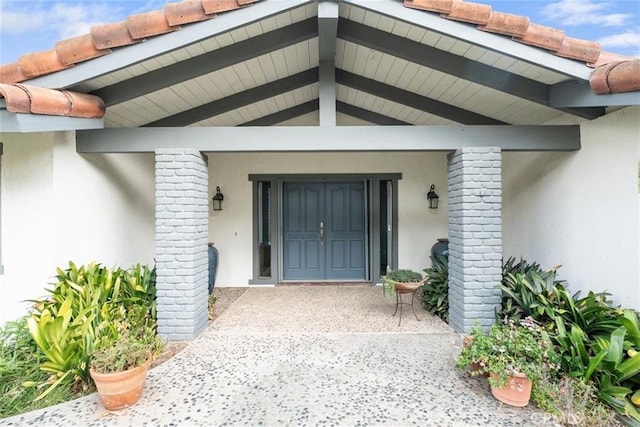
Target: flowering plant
[(511, 347)]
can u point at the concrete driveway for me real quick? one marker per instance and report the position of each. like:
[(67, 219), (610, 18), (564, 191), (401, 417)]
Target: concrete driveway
[(311, 355)]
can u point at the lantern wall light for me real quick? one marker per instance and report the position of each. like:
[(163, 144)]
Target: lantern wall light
[(432, 197), (217, 199)]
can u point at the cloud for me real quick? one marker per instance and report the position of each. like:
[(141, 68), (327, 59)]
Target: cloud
[(66, 18), (573, 13), (629, 38)]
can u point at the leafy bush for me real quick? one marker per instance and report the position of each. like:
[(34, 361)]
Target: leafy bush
[(435, 291), (599, 344), (20, 372), (90, 306), (511, 347), (528, 291)]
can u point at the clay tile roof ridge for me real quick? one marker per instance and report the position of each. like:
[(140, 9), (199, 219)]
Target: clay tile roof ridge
[(22, 98), (102, 38)]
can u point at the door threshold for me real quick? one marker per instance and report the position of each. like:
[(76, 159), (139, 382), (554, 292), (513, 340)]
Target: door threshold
[(325, 283)]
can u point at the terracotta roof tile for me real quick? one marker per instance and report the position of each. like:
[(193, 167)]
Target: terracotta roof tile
[(506, 23), (582, 50), (217, 6), (78, 49), (541, 36), (474, 13), (11, 73), (107, 36), (102, 38), (16, 99), (39, 63), (148, 24), (184, 12), (21, 98), (616, 77), (622, 74), (440, 6)]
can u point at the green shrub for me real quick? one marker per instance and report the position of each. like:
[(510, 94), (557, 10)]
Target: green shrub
[(20, 361), (598, 344), (90, 306), (528, 291), (435, 292)]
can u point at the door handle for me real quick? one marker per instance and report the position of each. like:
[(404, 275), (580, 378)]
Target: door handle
[(321, 233)]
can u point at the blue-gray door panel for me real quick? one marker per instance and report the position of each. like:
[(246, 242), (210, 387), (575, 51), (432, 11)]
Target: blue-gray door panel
[(303, 254), (340, 209), (345, 231)]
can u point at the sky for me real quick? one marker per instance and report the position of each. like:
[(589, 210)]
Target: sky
[(33, 25)]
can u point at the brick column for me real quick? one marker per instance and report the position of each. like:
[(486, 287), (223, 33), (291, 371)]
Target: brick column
[(181, 243), (475, 236)]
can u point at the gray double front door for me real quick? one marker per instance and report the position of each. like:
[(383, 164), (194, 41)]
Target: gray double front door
[(324, 231)]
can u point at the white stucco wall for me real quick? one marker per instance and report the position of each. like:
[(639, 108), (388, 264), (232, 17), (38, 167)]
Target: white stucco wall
[(58, 206), (580, 209), (419, 227)]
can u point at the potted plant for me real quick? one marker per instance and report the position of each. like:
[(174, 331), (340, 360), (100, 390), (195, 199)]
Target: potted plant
[(119, 367), (401, 280), (514, 354)]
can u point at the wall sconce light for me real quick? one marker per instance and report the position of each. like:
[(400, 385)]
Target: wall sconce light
[(217, 200), (432, 197)]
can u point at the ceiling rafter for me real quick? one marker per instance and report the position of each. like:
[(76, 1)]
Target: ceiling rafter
[(455, 65), (238, 100), (208, 62), (413, 100), (284, 115), (368, 115)]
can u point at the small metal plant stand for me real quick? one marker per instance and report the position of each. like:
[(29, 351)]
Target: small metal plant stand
[(406, 289)]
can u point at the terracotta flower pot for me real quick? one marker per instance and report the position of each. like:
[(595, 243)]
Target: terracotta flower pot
[(516, 392), (121, 389), (407, 286)]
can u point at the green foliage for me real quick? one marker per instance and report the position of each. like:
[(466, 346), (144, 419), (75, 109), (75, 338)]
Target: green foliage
[(572, 402), (129, 351), (435, 292), (511, 347), (527, 290), (598, 344), (400, 276), (90, 306), (405, 276), (20, 372)]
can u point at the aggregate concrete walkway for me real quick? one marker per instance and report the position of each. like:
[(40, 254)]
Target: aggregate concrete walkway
[(298, 356)]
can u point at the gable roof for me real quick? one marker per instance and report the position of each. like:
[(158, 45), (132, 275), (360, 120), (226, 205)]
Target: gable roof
[(613, 73)]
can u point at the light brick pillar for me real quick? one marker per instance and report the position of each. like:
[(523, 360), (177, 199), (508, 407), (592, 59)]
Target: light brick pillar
[(181, 243), (475, 236)]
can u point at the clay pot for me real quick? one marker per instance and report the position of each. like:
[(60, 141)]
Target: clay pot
[(121, 389), (516, 392), (407, 286)]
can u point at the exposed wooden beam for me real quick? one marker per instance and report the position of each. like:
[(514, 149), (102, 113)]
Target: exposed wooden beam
[(368, 116), (579, 94), (238, 100), (284, 115), (413, 100), (330, 139), (207, 62), (26, 123), (455, 65)]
